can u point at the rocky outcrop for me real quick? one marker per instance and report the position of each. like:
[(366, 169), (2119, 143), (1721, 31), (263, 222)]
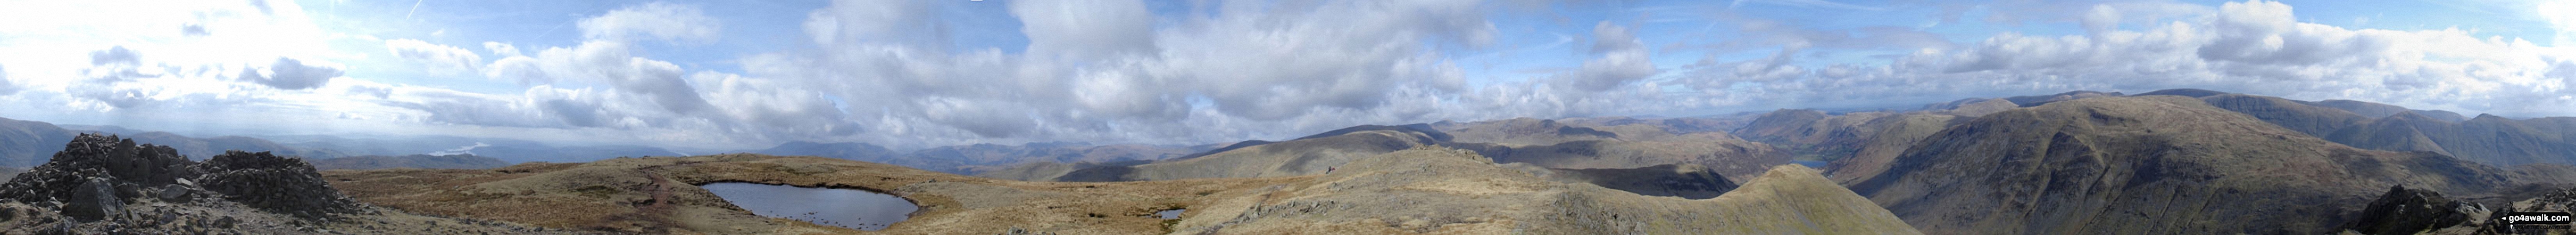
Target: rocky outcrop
[(276, 184), (2411, 211), (94, 175), (118, 161)]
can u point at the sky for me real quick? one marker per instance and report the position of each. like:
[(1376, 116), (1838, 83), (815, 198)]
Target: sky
[(724, 75)]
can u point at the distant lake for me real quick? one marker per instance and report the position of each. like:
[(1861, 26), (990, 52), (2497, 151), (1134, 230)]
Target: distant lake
[(847, 208), (1170, 214), (1810, 164)]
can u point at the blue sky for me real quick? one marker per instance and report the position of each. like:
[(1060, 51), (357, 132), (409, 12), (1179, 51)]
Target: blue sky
[(719, 75)]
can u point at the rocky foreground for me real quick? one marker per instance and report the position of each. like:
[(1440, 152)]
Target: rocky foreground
[(107, 185), (1425, 189)]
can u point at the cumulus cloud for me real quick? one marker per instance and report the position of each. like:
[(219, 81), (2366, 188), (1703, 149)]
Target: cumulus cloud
[(292, 74), (1103, 70), (115, 55), (1086, 29), (657, 21), (2561, 15), (1622, 60), (439, 58), (2253, 47), (501, 49), (608, 63)]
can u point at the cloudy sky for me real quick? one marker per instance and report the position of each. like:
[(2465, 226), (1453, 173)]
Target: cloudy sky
[(707, 75)]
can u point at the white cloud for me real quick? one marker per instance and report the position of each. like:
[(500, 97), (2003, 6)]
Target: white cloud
[(438, 58), (2561, 15), (657, 20), (1086, 29), (1107, 71), (501, 49), (2251, 47), (1622, 60), (293, 74)]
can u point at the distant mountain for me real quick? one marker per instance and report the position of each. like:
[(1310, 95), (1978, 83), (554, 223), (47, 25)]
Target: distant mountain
[(1644, 146), (26, 144), (2036, 100), (1542, 143), (2486, 139), (1519, 132), (544, 153), (327, 146), (1679, 125), (2185, 92), (978, 158), (2313, 120), (2151, 165), (422, 161), (1303, 156), (2378, 110), (853, 151), (203, 148)]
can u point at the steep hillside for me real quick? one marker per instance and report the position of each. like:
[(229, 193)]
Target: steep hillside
[(2152, 165), (423, 161), (1895, 135), (1425, 190), (28, 143), (1690, 181), (1719, 152)]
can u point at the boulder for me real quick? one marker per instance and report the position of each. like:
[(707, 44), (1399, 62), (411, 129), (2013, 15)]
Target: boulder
[(93, 200), (173, 193)]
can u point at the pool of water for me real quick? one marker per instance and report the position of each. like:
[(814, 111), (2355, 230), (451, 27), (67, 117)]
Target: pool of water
[(847, 208), (1810, 163), (1170, 214)]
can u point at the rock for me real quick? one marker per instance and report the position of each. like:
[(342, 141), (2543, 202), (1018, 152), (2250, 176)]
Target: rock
[(271, 183), (93, 200), (173, 193), (126, 167), (2409, 211)]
